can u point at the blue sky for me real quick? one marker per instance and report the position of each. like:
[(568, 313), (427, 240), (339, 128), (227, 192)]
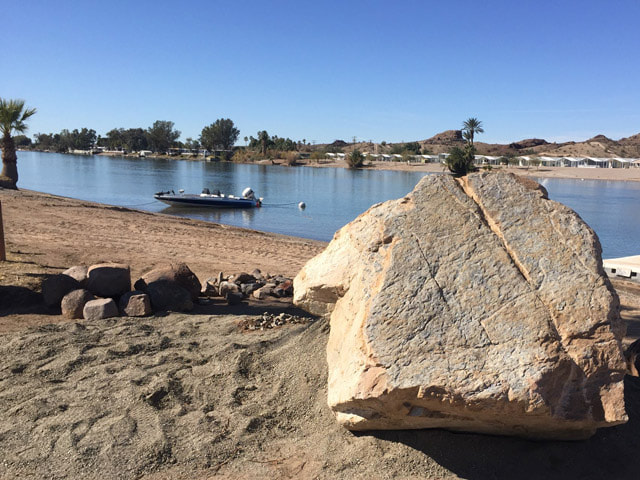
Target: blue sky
[(380, 70)]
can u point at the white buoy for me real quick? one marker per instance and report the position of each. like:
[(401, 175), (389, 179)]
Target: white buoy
[(302, 205)]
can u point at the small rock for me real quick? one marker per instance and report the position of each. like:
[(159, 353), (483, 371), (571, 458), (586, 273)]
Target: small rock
[(79, 273), (226, 287), (243, 277), (210, 288), (109, 279), (263, 292), (135, 304), (100, 308), (55, 287), (287, 287), (73, 303), (234, 298), (248, 288), (257, 274)]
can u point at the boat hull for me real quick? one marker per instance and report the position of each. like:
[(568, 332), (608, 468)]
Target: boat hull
[(210, 201)]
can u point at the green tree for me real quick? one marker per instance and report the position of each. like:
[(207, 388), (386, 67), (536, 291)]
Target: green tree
[(13, 116), (161, 136), (220, 135), (355, 159), (264, 140), (470, 127), (460, 160), (22, 141)]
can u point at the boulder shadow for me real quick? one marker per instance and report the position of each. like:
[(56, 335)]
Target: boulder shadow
[(611, 453), (16, 300)]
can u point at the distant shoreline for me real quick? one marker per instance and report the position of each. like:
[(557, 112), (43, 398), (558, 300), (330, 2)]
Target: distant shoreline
[(576, 173)]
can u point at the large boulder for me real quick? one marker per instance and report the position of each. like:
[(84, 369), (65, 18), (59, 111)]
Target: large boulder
[(109, 279), (55, 287), (474, 304), (178, 274)]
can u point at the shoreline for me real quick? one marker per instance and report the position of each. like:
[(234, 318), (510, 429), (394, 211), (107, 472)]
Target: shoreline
[(575, 173)]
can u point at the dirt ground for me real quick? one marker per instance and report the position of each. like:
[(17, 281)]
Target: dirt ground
[(193, 396)]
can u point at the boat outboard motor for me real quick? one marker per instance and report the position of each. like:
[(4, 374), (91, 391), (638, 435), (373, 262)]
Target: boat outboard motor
[(248, 193), (206, 191)]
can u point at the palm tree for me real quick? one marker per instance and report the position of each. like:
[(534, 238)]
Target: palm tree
[(470, 127), (265, 140), (12, 119)]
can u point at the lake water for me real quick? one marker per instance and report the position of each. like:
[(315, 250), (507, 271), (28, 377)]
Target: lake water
[(334, 196)]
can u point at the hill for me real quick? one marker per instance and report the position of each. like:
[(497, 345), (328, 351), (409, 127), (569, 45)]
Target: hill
[(598, 146)]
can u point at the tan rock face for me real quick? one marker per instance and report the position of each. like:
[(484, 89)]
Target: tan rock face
[(473, 304)]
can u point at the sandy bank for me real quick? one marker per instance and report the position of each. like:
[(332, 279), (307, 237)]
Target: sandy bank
[(191, 396)]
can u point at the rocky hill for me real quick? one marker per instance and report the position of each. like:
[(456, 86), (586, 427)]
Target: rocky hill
[(598, 146)]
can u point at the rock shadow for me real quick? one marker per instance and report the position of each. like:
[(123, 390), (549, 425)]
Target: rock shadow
[(610, 453), (21, 300)]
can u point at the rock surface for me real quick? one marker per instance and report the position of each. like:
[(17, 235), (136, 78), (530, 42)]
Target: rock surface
[(474, 304), (79, 273), (135, 304), (169, 296), (73, 303), (100, 308), (109, 279)]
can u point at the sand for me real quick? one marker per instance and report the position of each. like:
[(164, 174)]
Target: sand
[(193, 396)]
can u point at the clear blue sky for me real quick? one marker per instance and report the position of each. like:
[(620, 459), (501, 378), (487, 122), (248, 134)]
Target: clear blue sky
[(381, 70)]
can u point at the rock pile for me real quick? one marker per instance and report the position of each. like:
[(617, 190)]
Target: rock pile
[(104, 290), (474, 304), (270, 320), (242, 285)]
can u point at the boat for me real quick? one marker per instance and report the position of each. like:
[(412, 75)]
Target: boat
[(209, 199)]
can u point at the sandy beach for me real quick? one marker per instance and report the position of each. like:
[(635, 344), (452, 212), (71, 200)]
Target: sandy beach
[(193, 396)]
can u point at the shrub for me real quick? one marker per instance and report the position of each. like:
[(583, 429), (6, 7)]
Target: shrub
[(460, 161), (291, 158), (355, 159)]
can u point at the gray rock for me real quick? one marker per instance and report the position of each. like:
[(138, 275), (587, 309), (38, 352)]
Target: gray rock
[(135, 304), (233, 298), (243, 277), (73, 303), (178, 273), (248, 288), (109, 279), (169, 296), (264, 292), (79, 273), (210, 288), (226, 287), (55, 287), (474, 304), (99, 309)]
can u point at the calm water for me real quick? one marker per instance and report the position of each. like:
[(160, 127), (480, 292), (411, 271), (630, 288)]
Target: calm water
[(334, 196)]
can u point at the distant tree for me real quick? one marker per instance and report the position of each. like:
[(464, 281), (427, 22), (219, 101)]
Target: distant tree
[(413, 147), (460, 160), (191, 144), (161, 136), (264, 140), (355, 159), (470, 127), (220, 135), (22, 141), (135, 139), (13, 116)]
